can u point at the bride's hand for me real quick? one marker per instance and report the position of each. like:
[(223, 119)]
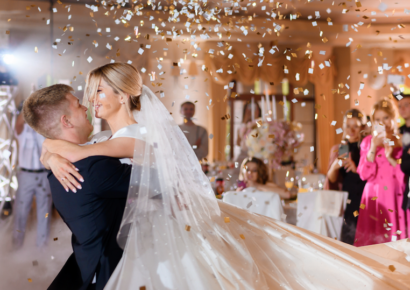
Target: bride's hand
[(65, 172)]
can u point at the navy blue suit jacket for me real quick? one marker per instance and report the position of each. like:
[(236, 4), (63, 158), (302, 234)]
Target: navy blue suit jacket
[(93, 215)]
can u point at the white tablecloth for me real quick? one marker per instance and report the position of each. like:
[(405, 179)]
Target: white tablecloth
[(322, 212), (261, 202)]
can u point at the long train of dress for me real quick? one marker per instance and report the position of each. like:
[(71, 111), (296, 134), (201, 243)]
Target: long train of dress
[(282, 252)]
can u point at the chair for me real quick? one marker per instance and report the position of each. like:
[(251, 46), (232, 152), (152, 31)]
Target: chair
[(313, 179), (322, 212), (260, 202)]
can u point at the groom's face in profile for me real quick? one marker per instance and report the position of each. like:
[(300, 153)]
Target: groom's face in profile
[(77, 117)]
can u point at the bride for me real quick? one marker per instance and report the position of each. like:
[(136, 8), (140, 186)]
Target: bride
[(178, 236)]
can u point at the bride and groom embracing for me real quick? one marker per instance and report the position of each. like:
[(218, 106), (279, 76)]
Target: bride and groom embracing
[(154, 223)]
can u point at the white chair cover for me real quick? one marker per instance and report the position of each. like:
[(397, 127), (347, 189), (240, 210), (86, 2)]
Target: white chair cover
[(322, 212), (260, 202)]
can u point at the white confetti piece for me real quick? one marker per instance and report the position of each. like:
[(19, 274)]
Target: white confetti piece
[(107, 29), (333, 123), (129, 62), (339, 130), (312, 148), (79, 88), (143, 70), (55, 10), (140, 51), (102, 96), (294, 101), (211, 136), (382, 7), (143, 130), (89, 59)]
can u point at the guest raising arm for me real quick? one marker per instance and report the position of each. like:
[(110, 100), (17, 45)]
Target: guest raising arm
[(342, 173), (381, 218), (255, 174)]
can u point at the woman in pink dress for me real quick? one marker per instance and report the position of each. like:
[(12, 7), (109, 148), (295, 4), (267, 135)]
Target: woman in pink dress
[(381, 218)]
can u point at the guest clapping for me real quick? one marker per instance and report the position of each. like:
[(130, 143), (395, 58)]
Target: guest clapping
[(342, 173), (381, 218), (254, 174)]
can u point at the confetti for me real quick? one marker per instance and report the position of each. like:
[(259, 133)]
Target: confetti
[(242, 236), (355, 213), (227, 220), (187, 228)]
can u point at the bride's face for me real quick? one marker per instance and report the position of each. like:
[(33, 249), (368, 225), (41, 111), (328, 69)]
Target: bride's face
[(107, 102)]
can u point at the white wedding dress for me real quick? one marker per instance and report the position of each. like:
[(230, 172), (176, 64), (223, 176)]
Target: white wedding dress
[(181, 237)]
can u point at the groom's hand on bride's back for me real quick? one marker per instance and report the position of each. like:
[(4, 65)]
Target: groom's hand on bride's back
[(64, 171)]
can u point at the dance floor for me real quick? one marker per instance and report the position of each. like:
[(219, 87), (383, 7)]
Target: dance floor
[(30, 267)]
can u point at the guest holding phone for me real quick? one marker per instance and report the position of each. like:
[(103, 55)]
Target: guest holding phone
[(342, 172), (381, 218), (254, 173)]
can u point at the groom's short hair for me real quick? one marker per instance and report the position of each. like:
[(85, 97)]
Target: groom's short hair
[(43, 109)]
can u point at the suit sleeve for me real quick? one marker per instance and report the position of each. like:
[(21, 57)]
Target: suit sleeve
[(405, 161), (110, 178), (202, 151)]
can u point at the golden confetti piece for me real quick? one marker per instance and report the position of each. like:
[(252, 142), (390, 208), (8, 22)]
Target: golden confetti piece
[(271, 136), (358, 4), (380, 53), (227, 220), (36, 49), (46, 215), (29, 280), (390, 210), (374, 197), (324, 39), (6, 212), (362, 206), (143, 288), (242, 236), (187, 228), (355, 213), (7, 32), (399, 161), (392, 268), (55, 239)]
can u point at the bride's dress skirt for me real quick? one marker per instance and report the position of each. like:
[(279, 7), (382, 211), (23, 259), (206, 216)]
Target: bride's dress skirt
[(287, 257)]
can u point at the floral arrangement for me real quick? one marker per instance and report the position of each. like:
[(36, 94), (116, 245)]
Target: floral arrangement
[(275, 140)]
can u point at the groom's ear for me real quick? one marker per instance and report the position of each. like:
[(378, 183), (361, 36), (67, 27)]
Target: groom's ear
[(65, 122)]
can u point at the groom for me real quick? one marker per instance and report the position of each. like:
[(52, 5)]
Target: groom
[(94, 213)]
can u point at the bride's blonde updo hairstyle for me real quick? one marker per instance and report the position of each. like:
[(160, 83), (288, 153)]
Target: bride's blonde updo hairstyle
[(123, 78)]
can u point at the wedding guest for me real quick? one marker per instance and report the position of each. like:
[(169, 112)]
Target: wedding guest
[(405, 167), (197, 136), (246, 127), (342, 173), (381, 219), (254, 174), (32, 179), (404, 110), (404, 107)]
